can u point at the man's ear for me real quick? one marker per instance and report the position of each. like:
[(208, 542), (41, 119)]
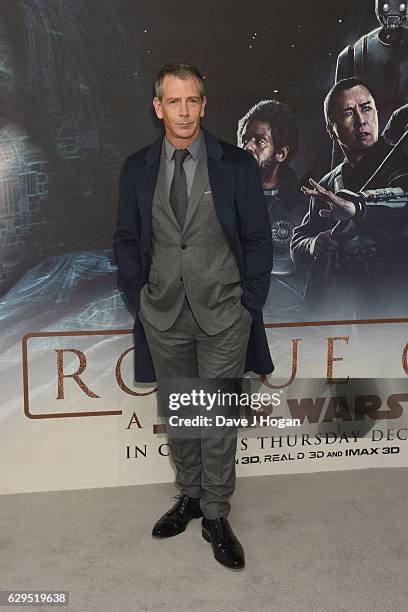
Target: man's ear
[(282, 154), (158, 107), (330, 131), (203, 103)]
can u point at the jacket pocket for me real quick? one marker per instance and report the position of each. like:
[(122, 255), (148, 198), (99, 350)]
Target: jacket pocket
[(153, 277), (228, 275)]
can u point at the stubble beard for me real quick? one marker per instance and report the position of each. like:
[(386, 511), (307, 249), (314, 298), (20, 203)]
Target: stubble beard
[(267, 167)]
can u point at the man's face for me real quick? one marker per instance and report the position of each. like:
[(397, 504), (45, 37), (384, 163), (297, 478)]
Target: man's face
[(257, 140), (354, 120), (180, 108)]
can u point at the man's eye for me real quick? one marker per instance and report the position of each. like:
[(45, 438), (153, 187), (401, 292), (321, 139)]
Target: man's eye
[(172, 101), (261, 141), (347, 113), (194, 101), (366, 108)]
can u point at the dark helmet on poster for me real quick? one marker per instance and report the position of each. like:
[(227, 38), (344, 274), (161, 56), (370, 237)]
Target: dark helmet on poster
[(391, 13)]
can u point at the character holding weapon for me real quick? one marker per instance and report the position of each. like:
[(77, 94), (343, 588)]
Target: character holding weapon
[(354, 239)]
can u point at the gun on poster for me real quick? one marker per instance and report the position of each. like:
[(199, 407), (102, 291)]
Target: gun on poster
[(320, 271)]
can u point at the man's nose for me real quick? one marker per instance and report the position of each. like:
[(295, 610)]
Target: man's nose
[(183, 108), (359, 118), (250, 146)]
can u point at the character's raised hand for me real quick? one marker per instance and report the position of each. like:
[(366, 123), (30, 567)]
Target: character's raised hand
[(340, 209)]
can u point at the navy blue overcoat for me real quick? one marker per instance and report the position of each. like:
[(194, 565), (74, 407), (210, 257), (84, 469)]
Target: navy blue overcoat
[(241, 209)]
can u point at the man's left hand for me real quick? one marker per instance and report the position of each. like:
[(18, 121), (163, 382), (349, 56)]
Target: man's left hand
[(340, 209)]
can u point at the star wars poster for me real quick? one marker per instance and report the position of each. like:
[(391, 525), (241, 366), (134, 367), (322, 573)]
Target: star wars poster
[(76, 87)]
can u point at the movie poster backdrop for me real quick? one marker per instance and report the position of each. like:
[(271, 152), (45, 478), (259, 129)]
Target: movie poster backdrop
[(75, 100)]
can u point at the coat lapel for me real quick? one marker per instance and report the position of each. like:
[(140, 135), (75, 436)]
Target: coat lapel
[(222, 181), (145, 186)]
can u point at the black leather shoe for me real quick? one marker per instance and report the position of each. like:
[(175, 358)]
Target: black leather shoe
[(177, 518), (226, 547)]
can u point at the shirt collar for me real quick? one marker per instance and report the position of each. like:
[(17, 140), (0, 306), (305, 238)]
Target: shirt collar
[(193, 148)]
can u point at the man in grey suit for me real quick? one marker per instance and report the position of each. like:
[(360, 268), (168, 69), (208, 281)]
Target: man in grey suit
[(194, 255)]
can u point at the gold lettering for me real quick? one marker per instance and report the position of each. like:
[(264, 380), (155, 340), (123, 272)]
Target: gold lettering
[(264, 379), (405, 359), (331, 359), (75, 375), (121, 382), (337, 408)]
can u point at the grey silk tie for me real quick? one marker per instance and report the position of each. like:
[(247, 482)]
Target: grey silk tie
[(178, 189)]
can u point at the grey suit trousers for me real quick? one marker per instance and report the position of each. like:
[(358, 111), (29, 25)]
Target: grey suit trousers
[(205, 466)]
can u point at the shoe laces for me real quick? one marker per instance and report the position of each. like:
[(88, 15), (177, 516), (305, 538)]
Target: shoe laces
[(219, 527), (184, 501), (220, 530)]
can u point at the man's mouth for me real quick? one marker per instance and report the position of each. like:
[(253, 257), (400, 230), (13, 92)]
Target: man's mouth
[(363, 135)]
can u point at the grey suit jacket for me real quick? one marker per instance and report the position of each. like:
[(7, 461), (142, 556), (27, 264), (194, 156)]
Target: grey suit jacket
[(239, 204)]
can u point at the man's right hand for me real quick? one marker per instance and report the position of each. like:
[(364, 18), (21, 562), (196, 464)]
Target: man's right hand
[(324, 245)]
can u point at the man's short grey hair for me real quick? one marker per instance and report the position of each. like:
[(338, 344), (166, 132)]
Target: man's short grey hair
[(180, 70)]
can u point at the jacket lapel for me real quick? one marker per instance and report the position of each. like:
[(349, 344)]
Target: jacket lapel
[(198, 187), (222, 182), (161, 189)]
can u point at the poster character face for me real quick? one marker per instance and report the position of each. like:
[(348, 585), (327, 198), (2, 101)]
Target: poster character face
[(391, 13), (181, 108), (354, 120), (257, 140)]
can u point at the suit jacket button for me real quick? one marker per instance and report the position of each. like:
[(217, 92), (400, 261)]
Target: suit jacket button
[(183, 246), (181, 279)]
